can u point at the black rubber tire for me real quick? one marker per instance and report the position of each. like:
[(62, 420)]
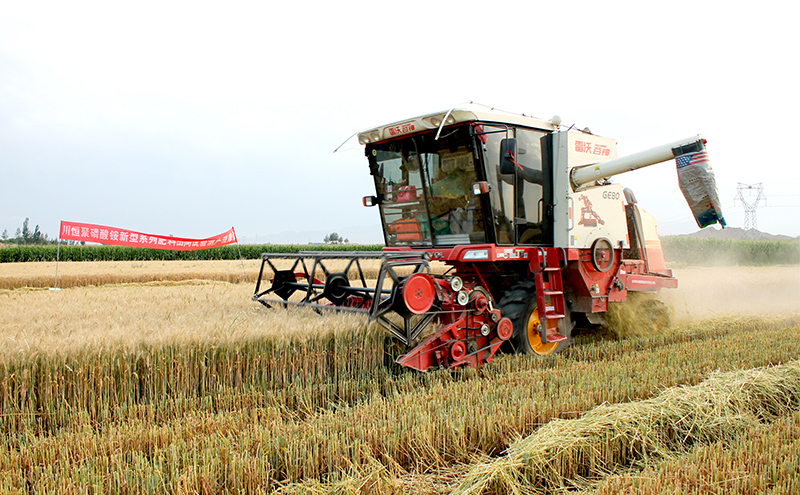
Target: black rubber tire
[(518, 304)]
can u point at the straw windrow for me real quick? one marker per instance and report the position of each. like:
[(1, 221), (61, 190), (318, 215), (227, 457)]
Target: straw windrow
[(613, 436), (764, 460)]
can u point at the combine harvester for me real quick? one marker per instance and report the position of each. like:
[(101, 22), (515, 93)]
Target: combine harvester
[(522, 215)]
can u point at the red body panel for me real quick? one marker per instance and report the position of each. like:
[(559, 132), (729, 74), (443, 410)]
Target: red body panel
[(589, 290)]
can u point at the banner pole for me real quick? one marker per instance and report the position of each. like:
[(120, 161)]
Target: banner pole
[(241, 259), (58, 255)]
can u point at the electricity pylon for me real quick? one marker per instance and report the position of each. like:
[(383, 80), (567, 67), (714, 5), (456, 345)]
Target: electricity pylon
[(750, 205)]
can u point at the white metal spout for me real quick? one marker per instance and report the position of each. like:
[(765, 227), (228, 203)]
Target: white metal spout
[(590, 173)]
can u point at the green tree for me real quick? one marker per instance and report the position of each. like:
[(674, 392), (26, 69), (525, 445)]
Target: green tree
[(26, 232), (26, 236), (333, 238)]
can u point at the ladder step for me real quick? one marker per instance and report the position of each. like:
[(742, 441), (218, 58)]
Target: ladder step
[(554, 336), (553, 288)]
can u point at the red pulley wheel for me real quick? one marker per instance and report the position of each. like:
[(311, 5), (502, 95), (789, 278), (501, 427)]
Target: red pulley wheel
[(419, 293), (458, 351), (480, 303), (505, 327)]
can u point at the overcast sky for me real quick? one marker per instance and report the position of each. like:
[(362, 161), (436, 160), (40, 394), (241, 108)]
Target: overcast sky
[(187, 118)]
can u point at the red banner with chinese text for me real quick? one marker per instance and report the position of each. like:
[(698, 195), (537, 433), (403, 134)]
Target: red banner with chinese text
[(121, 237)]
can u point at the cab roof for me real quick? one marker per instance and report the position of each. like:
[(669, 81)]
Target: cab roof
[(463, 113)]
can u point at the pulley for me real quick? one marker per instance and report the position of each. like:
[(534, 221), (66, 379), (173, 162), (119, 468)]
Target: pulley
[(419, 293), (505, 328), (457, 351), (479, 302)]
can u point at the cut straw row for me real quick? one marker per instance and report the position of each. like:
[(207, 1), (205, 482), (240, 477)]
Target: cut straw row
[(611, 436), (763, 460)]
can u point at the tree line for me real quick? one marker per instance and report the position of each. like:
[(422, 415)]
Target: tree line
[(25, 235)]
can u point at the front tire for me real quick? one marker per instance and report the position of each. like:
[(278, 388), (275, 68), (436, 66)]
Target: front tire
[(519, 304)]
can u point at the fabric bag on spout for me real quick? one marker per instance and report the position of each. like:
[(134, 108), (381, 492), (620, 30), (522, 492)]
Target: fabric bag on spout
[(696, 180)]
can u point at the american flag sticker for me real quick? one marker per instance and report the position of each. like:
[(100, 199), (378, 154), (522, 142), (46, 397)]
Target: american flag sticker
[(692, 159)]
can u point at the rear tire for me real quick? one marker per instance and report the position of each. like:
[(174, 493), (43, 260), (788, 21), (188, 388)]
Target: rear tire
[(519, 304)]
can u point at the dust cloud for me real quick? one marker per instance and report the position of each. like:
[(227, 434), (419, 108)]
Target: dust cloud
[(706, 292)]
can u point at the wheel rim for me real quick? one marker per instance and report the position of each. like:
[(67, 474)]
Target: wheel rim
[(535, 340)]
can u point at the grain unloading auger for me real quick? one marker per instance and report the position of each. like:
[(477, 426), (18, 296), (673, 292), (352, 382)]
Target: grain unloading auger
[(498, 228)]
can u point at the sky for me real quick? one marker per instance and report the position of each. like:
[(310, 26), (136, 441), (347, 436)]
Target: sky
[(188, 118)]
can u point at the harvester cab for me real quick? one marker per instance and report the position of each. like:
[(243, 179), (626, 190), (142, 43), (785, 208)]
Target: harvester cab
[(499, 228)]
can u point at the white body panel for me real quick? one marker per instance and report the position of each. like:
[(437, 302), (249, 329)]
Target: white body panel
[(573, 149), (598, 213), (586, 149)]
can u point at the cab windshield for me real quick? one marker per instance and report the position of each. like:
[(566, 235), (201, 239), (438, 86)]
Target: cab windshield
[(425, 186)]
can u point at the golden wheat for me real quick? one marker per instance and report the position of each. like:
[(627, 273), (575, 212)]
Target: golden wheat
[(320, 408), (86, 273), (129, 316), (83, 273), (191, 387)]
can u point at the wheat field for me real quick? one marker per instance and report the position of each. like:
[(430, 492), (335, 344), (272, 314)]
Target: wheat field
[(67, 274), (188, 386)]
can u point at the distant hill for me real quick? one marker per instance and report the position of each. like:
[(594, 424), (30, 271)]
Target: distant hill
[(734, 233)]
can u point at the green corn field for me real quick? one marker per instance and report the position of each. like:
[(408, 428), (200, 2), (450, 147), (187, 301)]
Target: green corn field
[(677, 250), (20, 254)]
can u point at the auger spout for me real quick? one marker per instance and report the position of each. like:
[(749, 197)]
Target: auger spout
[(590, 173)]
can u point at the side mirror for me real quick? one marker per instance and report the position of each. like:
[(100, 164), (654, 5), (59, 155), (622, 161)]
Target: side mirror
[(508, 153), (370, 200), (481, 187)]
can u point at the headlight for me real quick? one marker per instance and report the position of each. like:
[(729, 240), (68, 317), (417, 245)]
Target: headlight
[(476, 254)]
